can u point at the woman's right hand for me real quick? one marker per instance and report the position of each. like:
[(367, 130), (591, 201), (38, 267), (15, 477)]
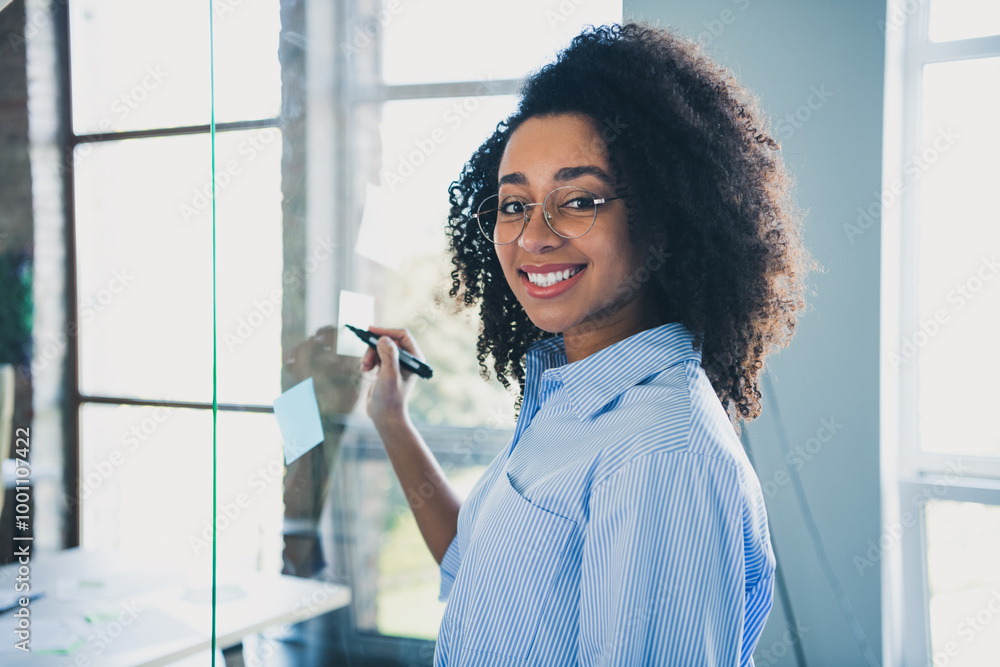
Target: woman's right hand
[(390, 391)]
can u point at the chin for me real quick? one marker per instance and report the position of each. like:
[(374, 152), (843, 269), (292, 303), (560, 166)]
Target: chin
[(552, 325)]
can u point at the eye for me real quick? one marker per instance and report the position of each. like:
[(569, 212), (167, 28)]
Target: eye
[(512, 207), (579, 201)]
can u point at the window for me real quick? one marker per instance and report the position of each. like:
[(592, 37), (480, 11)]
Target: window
[(941, 314), (141, 165), (417, 105), (339, 126)]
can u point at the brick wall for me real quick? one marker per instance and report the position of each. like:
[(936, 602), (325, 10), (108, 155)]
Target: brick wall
[(16, 238), (15, 172)]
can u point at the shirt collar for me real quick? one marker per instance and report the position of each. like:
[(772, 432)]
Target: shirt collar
[(595, 381)]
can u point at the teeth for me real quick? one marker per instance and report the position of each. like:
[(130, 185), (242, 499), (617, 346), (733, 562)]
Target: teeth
[(547, 279)]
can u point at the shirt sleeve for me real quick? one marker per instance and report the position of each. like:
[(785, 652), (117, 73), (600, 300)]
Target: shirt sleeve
[(662, 576)]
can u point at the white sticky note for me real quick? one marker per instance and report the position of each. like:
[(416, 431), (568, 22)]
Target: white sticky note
[(298, 419), (357, 310), (377, 240)]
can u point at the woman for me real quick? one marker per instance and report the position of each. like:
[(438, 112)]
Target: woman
[(629, 235)]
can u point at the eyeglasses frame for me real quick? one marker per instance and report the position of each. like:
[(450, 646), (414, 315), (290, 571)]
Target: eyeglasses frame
[(545, 214)]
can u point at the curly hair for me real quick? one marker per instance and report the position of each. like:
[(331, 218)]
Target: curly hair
[(690, 148)]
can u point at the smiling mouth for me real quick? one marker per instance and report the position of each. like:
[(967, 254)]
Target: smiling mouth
[(549, 279)]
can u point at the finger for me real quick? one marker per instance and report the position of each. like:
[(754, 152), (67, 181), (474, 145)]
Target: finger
[(325, 334), (388, 353), (369, 359), (388, 356), (402, 337)]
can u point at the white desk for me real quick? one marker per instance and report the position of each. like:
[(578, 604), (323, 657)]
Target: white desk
[(140, 617)]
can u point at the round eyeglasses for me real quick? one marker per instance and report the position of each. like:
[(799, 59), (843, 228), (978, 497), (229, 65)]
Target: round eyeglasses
[(569, 211)]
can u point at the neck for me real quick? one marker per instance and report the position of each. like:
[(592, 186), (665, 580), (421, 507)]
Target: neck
[(605, 329)]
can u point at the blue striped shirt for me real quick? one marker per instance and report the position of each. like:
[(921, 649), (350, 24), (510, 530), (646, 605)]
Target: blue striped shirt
[(623, 524)]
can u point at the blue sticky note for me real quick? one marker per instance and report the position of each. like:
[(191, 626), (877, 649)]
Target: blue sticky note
[(298, 419)]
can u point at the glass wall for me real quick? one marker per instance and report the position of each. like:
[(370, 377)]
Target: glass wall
[(214, 190)]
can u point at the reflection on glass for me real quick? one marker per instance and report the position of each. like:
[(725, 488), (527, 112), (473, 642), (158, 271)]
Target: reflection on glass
[(495, 41), (956, 172), (143, 232), (141, 65), (963, 19), (146, 487), (963, 569), (425, 143), (408, 577), (144, 253)]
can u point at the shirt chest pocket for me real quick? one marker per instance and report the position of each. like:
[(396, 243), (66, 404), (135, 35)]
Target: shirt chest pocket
[(508, 576)]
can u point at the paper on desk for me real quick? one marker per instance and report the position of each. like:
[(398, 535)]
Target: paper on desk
[(298, 419)]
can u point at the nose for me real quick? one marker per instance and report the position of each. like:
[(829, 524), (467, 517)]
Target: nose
[(537, 237)]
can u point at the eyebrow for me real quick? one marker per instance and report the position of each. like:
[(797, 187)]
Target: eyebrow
[(564, 174)]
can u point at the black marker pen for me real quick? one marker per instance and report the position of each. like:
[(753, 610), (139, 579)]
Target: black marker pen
[(410, 362)]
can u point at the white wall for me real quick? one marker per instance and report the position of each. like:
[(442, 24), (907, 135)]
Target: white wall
[(830, 55)]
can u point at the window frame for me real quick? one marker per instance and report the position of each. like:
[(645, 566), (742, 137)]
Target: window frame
[(356, 85), (342, 84), (910, 476), (339, 96), (75, 400)]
